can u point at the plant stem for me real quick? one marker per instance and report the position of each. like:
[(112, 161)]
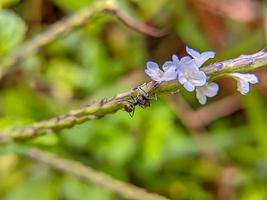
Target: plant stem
[(243, 63)]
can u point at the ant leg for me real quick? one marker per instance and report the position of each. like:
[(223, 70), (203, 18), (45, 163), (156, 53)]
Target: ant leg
[(142, 106), (132, 113)]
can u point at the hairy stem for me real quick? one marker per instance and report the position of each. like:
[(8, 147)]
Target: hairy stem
[(243, 63)]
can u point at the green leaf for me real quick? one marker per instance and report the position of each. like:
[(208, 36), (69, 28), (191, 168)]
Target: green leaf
[(12, 31)]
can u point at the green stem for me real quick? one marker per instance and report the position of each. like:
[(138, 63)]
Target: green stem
[(244, 63)]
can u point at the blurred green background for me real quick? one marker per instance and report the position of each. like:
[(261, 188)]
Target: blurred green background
[(176, 148)]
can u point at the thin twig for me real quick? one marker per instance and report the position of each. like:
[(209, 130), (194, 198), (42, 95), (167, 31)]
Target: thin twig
[(67, 25), (243, 63), (122, 189), (138, 26)]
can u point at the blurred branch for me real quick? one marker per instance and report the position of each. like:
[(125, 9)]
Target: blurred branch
[(197, 120), (223, 107), (96, 110), (67, 25), (186, 114), (138, 26), (87, 173)]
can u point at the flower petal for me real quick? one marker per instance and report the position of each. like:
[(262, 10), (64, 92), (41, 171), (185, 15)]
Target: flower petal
[(200, 58), (201, 97), (182, 79), (207, 90), (243, 87), (198, 78), (192, 52), (185, 60), (153, 71), (189, 74), (204, 57), (169, 74), (212, 89), (187, 65), (243, 81), (175, 59), (152, 65), (189, 87), (167, 65)]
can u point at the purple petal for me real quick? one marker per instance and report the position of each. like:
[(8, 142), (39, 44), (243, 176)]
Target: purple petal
[(199, 78), (182, 78), (204, 57), (152, 65), (153, 70), (189, 87), (212, 89), (184, 60), (167, 65), (175, 59), (201, 98), (192, 52), (170, 74)]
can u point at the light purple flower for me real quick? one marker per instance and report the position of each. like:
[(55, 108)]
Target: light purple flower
[(243, 81), (200, 58), (186, 70), (207, 90), (168, 73), (189, 74)]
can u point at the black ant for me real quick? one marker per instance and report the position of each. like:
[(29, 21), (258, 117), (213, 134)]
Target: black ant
[(142, 100)]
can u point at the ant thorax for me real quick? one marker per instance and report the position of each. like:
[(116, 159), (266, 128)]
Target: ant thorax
[(142, 100)]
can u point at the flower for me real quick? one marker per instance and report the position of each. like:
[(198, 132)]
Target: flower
[(200, 58), (207, 90), (189, 74), (168, 73), (243, 81)]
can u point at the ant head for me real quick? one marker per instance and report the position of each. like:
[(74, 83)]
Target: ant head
[(129, 108)]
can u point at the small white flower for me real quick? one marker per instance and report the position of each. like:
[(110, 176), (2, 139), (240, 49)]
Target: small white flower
[(207, 90), (168, 73), (174, 63), (189, 74), (200, 58), (243, 81)]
